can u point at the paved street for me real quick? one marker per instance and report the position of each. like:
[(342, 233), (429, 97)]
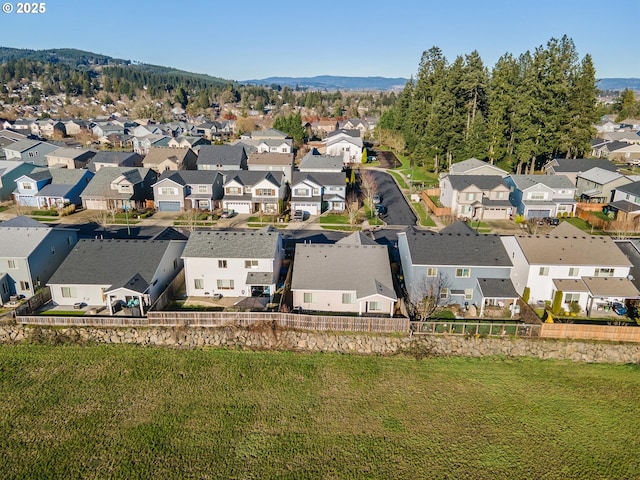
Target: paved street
[(399, 211)]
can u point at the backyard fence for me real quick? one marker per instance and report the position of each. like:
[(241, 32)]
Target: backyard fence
[(436, 210), (485, 329), (590, 332)]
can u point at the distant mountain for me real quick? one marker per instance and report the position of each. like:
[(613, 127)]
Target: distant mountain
[(330, 82), (619, 84)]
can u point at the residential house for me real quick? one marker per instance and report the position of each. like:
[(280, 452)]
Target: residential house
[(76, 126), (144, 130), (346, 144), (120, 188), (623, 135), (69, 158), (251, 192), (323, 127), (104, 129), (266, 145), (194, 143), (589, 270), (114, 159), (30, 252), (537, 196), (627, 153), (188, 189), (30, 151), (272, 162), (50, 128), (313, 161), (456, 266), (266, 134), (317, 192), (233, 263), (116, 276), (222, 157), (51, 188), (473, 166), (161, 159), (481, 197), (598, 185), (356, 124), (626, 202), (141, 145), (10, 171), (351, 276), (604, 148), (215, 129), (571, 167)]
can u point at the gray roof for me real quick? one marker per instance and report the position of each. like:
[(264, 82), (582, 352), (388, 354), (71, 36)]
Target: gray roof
[(482, 182), (190, 177), (20, 242), (349, 132), (232, 244), (315, 161), (251, 177), (23, 145), (363, 269), (23, 221), (259, 278), (356, 238), (320, 178), (572, 165), (552, 181), (632, 188), (221, 155), (100, 184), (456, 247), (55, 190), (631, 248), (497, 288), (600, 175), (113, 158), (471, 164), (71, 153), (116, 263)]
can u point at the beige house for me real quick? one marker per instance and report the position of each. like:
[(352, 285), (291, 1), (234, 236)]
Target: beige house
[(161, 159), (479, 197), (351, 276), (69, 158)]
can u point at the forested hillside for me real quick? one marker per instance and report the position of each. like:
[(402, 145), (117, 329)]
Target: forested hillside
[(527, 109)]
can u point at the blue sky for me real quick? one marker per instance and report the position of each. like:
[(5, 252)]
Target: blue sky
[(261, 38)]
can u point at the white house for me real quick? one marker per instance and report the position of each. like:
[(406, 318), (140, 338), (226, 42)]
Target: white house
[(249, 192), (346, 144)]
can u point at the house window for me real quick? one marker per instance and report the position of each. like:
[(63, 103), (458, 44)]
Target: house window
[(168, 191), (375, 306), (265, 192), (571, 297), (24, 285), (544, 271), (5, 289), (348, 298), (69, 292), (12, 264), (444, 293), (316, 191), (499, 195), (308, 297), (233, 190), (198, 283), (225, 285), (468, 293), (574, 272), (27, 186), (202, 189), (463, 272), (222, 264), (471, 196), (537, 196), (432, 272), (604, 272), (251, 264), (301, 192)]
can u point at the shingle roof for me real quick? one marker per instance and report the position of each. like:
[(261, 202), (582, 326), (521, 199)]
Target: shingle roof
[(315, 161), (221, 155), (364, 269), (356, 238), (482, 182), (22, 145), (450, 248), (600, 175), (552, 181), (497, 288), (251, 177), (19, 242), (231, 244), (191, 177), (320, 178), (23, 221), (285, 159), (111, 262), (100, 184), (157, 155), (582, 164), (632, 188)]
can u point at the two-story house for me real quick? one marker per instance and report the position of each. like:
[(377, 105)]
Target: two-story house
[(51, 188), (69, 158), (10, 171), (222, 157), (626, 202), (272, 162), (351, 276), (589, 270), (188, 189), (473, 166), (116, 276), (346, 144), (114, 159), (481, 197), (250, 192), (119, 188), (141, 145), (317, 192), (598, 185), (161, 159), (313, 161), (30, 151), (571, 167), (233, 263), (30, 252), (193, 143), (456, 266), (537, 196)]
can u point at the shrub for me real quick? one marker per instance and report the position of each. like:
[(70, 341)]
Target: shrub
[(526, 294), (557, 303), (574, 307)]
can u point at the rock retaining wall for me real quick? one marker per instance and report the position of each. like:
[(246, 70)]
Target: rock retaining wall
[(266, 337)]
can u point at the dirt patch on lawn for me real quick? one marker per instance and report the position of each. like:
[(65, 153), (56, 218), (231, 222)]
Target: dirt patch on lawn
[(388, 160)]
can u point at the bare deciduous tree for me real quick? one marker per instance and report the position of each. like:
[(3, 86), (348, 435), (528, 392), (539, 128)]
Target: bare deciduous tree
[(427, 296), (368, 187), (352, 210), (191, 217)]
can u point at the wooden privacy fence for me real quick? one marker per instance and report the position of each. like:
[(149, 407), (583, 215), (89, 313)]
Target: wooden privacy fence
[(590, 332), (437, 211), (489, 329), (82, 321)]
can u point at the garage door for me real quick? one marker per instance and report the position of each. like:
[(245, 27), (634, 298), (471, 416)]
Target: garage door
[(539, 213), (310, 208), (92, 204), (238, 207), (165, 206)]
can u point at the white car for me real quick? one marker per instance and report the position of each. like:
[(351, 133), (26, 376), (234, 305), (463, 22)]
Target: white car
[(377, 199)]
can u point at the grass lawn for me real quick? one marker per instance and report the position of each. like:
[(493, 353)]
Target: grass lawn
[(399, 179), (581, 224), (65, 313), (480, 226), (334, 218), (341, 228), (132, 412), (260, 225), (425, 219)]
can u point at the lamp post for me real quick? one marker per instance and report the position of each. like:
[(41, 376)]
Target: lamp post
[(126, 215)]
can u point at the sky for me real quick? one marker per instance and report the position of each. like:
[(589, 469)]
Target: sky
[(255, 39)]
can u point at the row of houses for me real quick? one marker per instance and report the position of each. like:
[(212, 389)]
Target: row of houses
[(455, 266)]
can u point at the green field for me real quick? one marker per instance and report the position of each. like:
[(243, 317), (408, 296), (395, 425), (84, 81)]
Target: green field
[(133, 412)]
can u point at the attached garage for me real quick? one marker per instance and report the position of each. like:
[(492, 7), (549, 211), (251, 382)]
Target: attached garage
[(310, 208), (238, 207), (169, 206), (94, 204), (539, 213)]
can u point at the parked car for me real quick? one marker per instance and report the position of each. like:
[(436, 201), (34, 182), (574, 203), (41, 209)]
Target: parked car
[(552, 221), (619, 308), (298, 216), (227, 213), (381, 210), (377, 199)]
